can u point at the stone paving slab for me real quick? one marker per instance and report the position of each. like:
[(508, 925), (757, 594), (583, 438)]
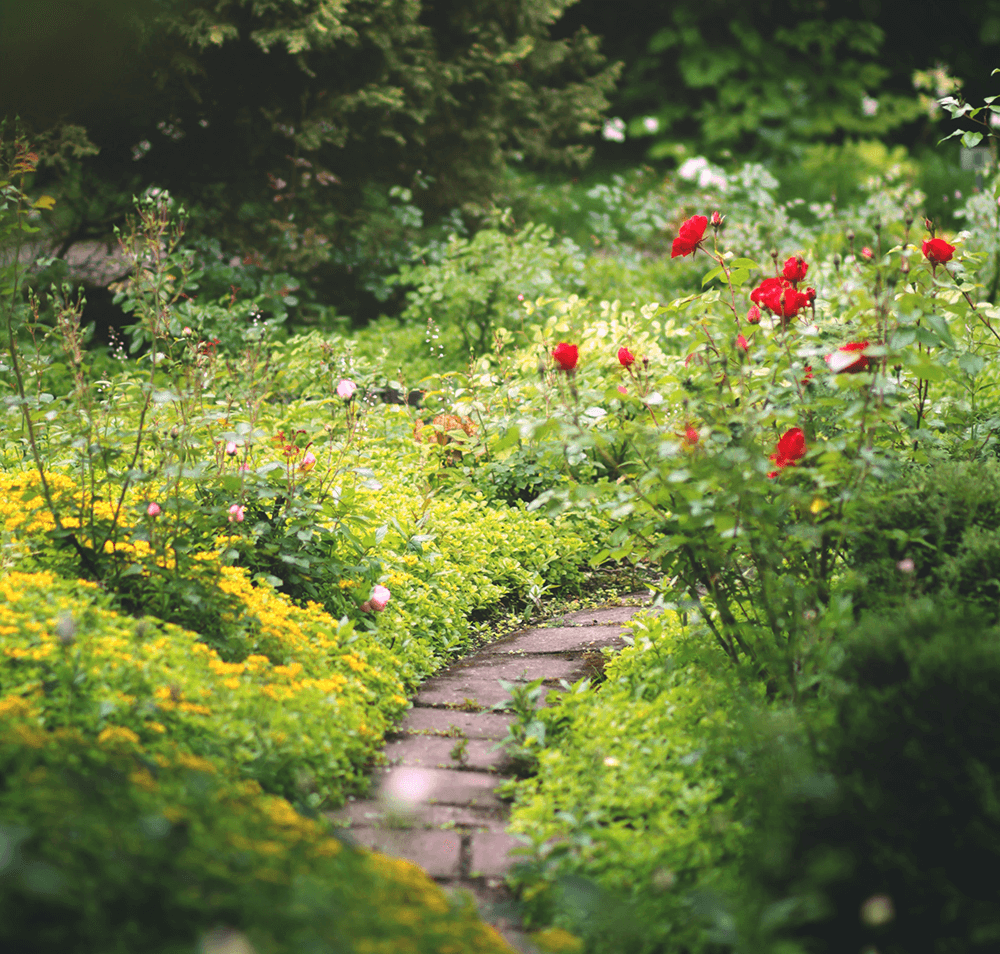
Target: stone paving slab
[(557, 639), (438, 752), (372, 813), (608, 616), (491, 856), (480, 683), (474, 725), (437, 852), (417, 786)]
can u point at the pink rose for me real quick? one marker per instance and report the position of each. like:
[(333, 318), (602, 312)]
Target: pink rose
[(379, 598), (153, 510), (231, 448), (236, 513), (346, 389), (308, 462)]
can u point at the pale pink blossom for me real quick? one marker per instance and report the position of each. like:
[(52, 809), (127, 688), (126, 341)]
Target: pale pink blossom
[(622, 389), (236, 513), (379, 598), (231, 448), (153, 510), (346, 389), (308, 462)]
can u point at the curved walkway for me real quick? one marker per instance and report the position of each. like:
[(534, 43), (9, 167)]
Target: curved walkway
[(434, 801)]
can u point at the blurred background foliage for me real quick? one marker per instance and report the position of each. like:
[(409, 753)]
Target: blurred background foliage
[(322, 146)]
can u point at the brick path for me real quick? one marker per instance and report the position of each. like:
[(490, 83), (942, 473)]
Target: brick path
[(434, 802)]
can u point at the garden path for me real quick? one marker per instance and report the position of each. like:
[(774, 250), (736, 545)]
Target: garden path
[(434, 799)]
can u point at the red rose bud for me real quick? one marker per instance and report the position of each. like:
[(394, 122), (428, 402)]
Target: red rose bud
[(848, 359), (566, 355), (691, 435), (808, 374), (625, 357), (717, 220), (795, 269), (937, 251), (790, 450), (689, 236), (867, 253), (741, 343), (810, 294), (753, 315)]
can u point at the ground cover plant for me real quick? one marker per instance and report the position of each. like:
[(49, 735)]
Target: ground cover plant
[(222, 555)]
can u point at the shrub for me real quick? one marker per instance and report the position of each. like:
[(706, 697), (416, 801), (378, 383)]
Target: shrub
[(934, 532), (879, 839), (633, 805), (107, 850)]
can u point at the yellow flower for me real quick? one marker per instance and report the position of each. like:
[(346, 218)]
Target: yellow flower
[(117, 733)]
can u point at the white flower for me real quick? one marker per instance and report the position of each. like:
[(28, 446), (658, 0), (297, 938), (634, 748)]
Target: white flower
[(651, 124), (614, 129), (869, 105)]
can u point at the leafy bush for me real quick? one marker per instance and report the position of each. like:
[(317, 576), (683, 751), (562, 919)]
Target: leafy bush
[(633, 805), (934, 532), (105, 850), (880, 838)]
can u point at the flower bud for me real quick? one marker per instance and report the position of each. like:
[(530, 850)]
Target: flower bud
[(867, 253), (153, 510), (231, 449), (308, 462), (175, 432), (753, 315), (836, 262), (929, 225), (717, 220), (850, 236)]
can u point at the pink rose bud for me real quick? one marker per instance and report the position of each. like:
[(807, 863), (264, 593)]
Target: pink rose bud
[(187, 332), (717, 219), (346, 389), (753, 315), (741, 343), (236, 513), (622, 389), (231, 448), (379, 598), (866, 252), (153, 510), (308, 462)]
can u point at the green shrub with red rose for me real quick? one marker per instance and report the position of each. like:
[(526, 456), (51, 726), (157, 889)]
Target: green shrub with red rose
[(749, 429)]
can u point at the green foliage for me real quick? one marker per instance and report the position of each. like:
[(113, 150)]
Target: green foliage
[(106, 851), (879, 835), (470, 287), (317, 136), (932, 531), (633, 803)]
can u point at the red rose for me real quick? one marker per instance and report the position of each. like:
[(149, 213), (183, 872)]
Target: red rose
[(566, 355), (689, 236), (625, 357), (937, 251), (791, 449), (808, 374), (779, 297), (847, 358), (795, 269)]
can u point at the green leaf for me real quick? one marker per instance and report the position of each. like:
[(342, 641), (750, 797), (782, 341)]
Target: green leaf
[(714, 273), (971, 363), (971, 139)]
